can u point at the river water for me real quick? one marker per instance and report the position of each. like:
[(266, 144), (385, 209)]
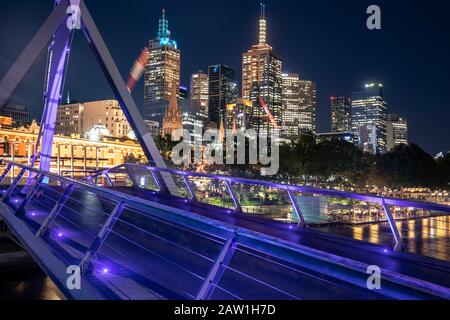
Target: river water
[(22, 279)]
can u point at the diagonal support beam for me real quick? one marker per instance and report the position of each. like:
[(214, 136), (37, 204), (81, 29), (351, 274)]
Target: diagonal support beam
[(217, 269), (32, 52), (55, 211), (124, 97), (101, 237), (234, 196), (190, 188)]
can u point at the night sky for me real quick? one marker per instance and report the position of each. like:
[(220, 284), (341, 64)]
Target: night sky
[(323, 41)]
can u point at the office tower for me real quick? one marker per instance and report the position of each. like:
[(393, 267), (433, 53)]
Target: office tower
[(172, 119), (291, 105), (397, 131), (200, 90), (308, 106), (81, 118), (369, 118), (163, 68), (184, 93), (261, 77), (341, 114), (222, 91)]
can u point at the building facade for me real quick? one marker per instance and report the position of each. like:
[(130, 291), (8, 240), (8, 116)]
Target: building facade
[(19, 114), (163, 67), (70, 155), (308, 106), (262, 78), (222, 91), (200, 90), (80, 118), (341, 117), (397, 131), (369, 118)]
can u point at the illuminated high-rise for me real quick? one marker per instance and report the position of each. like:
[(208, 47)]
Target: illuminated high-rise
[(222, 91), (369, 118), (163, 68), (200, 90), (261, 77), (291, 105), (397, 131), (308, 106), (341, 120)]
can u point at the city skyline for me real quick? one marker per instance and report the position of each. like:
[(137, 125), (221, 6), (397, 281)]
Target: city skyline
[(425, 127)]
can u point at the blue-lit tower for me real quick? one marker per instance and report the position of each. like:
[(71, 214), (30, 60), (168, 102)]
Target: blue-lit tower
[(163, 68)]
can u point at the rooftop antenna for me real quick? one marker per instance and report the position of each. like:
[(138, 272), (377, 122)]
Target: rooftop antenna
[(263, 26)]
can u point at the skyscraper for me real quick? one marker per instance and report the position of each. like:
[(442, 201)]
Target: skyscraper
[(200, 90), (341, 118), (261, 77), (291, 105), (369, 115), (222, 91), (163, 68), (308, 106), (397, 131)]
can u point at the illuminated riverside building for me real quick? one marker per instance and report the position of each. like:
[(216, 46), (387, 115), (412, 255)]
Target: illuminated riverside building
[(341, 119), (163, 68), (262, 77), (71, 154), (308, 106), (397, 131), (369, 118), (222, 91), (80, 118), (200, 90)]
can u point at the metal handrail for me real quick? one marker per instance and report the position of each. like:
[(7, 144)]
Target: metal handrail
[(385, 202), (296, 188), (228, 233)]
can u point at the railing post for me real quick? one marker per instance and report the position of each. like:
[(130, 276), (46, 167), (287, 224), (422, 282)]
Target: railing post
[(5, 173), (399, 247), (101, 237), (55, 211), (13, 185), (217, 269), (298, 211), (233, 196), (108, 179), (31, 192), (156, 180), (190, 188)]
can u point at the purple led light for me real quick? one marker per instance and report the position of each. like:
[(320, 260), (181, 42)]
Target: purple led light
[(60, 235), (385, 251), (105, 270)]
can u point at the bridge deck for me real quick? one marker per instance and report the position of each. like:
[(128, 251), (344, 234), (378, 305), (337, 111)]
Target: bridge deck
[(425, 268), (163, 248)]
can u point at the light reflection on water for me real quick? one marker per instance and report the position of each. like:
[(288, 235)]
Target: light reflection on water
[(425, 236)]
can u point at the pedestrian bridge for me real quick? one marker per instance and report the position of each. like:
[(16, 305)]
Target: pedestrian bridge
[(131, 239)]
